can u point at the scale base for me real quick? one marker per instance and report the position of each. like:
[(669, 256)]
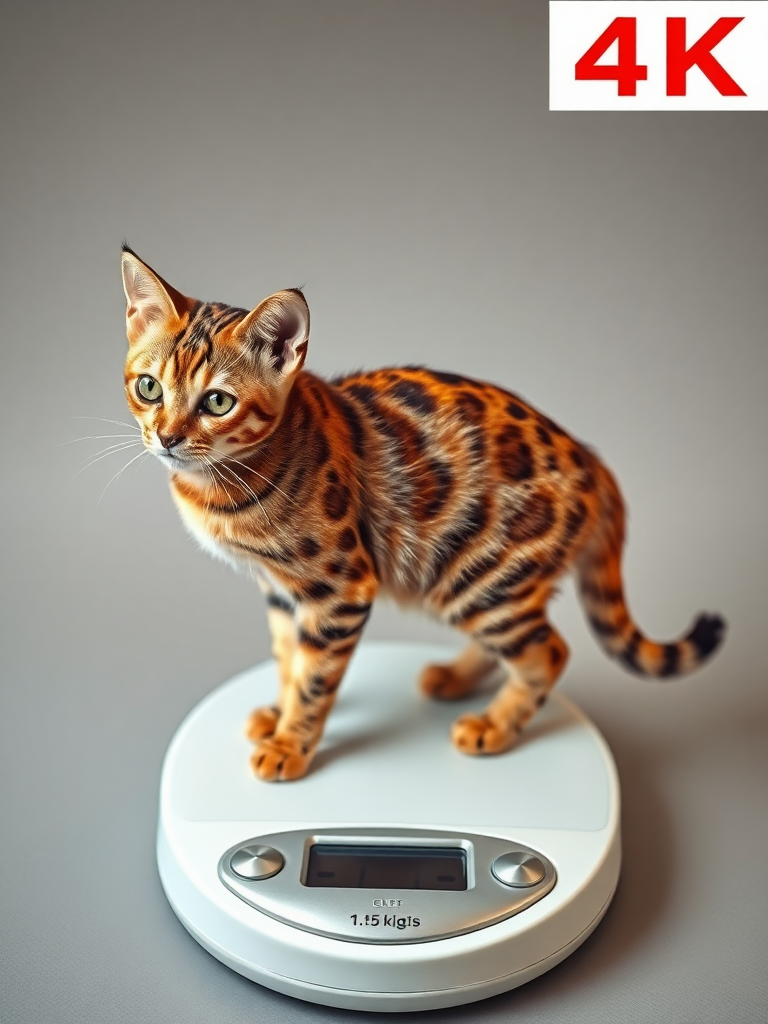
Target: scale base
[(387, 762)]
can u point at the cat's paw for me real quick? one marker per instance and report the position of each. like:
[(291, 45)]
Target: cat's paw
[(262, 722), (477, 734), (278, 759), (443, 682)]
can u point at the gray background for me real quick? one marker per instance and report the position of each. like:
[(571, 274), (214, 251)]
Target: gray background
[(398, 160)]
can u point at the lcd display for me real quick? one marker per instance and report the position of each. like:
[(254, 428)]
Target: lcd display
[(386, 867)]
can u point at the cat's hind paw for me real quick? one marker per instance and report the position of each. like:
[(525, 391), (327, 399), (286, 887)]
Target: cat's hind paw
[(278, 759), (477, 734), (443, 682), (262, 722)]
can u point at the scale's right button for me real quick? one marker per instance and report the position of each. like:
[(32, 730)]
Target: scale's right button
[(519, 869)]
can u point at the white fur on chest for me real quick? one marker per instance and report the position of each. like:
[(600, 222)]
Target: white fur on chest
[(211, 545), (197, 526)]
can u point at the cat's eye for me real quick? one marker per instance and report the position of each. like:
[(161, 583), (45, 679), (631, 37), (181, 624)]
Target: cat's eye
[(217, 403), (148, 388)]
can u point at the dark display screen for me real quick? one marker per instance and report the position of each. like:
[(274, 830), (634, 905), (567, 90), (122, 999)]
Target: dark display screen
[(386, 867)]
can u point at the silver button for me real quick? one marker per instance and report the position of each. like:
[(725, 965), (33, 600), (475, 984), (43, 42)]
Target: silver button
[(519, 869), (256, 862)]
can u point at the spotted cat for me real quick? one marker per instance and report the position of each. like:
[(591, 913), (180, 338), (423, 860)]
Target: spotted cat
[(433, 488)]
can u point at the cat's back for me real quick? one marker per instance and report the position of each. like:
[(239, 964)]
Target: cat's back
[(447, 422), (448, 455)]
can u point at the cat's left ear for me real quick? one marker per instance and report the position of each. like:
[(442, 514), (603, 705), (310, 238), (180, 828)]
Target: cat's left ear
[(278, 330), (151, 300)]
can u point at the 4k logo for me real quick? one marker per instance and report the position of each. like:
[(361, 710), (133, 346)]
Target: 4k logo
[(666, 55)]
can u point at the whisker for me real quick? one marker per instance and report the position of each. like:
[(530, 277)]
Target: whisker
[(239, 479), (255, 472), (211, 470), (120, 472), (103, 419), (148, 452), (250, 490), (92, 437), (208, 474), (93, 461), (112, 450), (117, 446), (218, 470)]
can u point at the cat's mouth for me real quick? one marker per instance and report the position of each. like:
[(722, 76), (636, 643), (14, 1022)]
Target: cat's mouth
[(176, 460)]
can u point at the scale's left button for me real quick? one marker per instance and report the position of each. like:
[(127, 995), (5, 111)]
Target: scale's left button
[(256, 862)]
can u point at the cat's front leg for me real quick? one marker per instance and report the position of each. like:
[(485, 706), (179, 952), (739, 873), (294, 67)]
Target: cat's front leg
[(282, 626), (327, 635)]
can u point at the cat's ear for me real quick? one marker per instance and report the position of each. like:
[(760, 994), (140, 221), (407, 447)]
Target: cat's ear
[(278, 330), (151, 300)]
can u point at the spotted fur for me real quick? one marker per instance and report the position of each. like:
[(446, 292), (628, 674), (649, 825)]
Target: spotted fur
[(436, 489)]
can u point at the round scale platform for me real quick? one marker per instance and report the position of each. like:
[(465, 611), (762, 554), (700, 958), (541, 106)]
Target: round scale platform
[(399, 874)]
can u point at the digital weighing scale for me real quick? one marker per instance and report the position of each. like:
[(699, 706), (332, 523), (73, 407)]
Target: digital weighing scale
[(399, 874)]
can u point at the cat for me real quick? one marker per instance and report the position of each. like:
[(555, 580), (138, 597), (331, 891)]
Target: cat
[(433, 488)]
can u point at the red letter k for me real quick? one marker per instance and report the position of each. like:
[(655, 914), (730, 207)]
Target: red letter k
[(680, 60)]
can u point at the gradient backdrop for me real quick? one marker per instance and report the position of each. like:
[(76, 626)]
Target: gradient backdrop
[(398, 160)]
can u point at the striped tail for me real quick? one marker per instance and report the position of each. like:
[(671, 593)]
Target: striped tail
[(602, 594)]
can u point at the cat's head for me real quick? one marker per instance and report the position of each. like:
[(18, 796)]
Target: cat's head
[(204, 380)]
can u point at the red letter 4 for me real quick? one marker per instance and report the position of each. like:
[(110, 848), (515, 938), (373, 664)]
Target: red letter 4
[(679, 60), (627, 73)]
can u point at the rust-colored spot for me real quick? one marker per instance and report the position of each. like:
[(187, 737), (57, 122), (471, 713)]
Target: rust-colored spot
[(515, 457), (357, 570), (336, 501), (347, 539), (250, 436), (534, 518), (434, 490)]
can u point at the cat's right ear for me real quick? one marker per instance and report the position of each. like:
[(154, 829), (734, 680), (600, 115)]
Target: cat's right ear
[(152, 302), (278, 329)]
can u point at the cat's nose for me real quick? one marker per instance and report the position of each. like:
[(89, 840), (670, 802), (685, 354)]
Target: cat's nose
[(169, 440)]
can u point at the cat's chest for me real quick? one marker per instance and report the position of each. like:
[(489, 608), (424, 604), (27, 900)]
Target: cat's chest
[(211, 544), (229, 539), (212, 532)]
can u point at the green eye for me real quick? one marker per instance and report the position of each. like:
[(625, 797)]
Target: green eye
[(148, 388), (217, 403)]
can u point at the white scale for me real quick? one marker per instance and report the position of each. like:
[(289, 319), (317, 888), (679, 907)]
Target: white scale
[(399, 874)]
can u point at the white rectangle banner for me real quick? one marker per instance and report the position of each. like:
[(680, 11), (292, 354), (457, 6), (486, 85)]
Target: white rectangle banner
[(658, 55)]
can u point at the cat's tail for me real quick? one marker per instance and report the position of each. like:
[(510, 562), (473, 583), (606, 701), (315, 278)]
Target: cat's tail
[(601, 588)]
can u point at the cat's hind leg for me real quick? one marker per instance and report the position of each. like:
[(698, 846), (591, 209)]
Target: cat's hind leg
[(459, 677), (535, 655)]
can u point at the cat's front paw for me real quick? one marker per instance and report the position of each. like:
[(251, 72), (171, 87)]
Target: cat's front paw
[(262, 722), (278, 759), (477, 734)]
